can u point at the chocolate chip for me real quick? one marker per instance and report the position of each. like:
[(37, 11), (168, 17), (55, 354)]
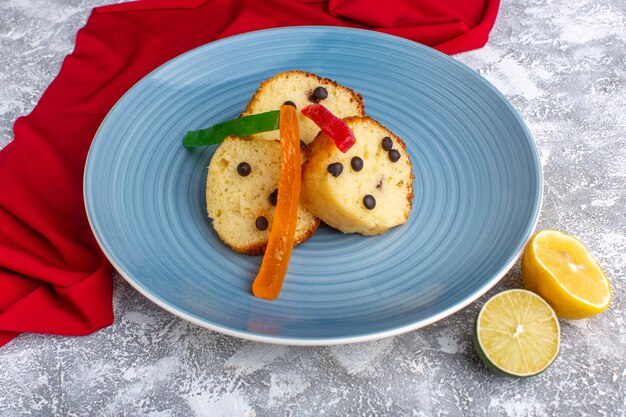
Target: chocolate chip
[(244, 169), (302, 144), (261, 223), (369, 202), (387, 143), (274, 197), (394, 155), (290, 103), (320, 93), (335, 169), (356, 163)]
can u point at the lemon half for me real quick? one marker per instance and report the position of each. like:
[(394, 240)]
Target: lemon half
[(517, 333), (559, 268)]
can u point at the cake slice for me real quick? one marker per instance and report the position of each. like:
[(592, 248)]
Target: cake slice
[(301, 89), (241, 197), (366, 190)]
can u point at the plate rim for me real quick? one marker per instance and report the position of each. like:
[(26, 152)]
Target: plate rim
[(337, 340)]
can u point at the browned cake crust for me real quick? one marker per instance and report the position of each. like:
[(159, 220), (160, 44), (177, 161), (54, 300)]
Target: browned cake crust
[(355, 97)]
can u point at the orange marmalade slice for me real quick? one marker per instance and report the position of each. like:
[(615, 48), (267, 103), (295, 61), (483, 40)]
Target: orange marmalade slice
[(269, 280)]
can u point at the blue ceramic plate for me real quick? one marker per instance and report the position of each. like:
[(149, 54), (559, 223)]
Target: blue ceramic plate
[(477, 191)]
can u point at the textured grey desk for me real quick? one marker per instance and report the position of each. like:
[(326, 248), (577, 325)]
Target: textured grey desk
[(561, 63)]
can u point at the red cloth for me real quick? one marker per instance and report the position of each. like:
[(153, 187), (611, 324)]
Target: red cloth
[(53, 277)]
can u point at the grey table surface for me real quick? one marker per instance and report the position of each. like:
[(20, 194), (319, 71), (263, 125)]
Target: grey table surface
[(563, 66)]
